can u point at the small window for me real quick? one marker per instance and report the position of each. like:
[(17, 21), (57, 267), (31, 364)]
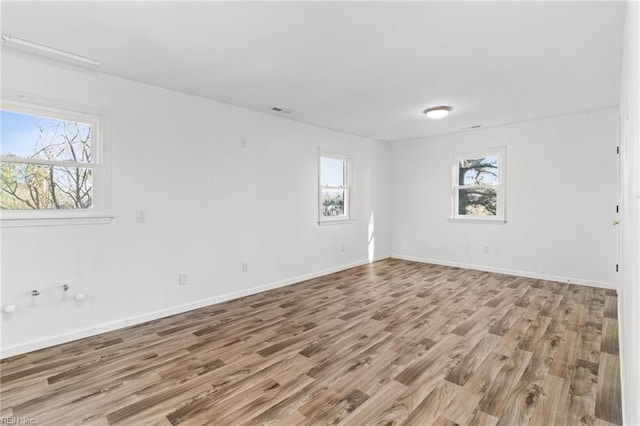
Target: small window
[(334, 193), (478, 186), (50, 162)]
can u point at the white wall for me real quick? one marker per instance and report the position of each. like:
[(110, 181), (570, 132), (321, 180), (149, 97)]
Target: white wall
[(211, 206), (560, 200), (629, 290), (259, 205)]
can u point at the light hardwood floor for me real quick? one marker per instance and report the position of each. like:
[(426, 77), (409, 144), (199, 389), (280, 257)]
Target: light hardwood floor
[(393, 342)]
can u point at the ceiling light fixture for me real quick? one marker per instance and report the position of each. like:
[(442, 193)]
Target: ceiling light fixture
[(48, 50), (437, 112)]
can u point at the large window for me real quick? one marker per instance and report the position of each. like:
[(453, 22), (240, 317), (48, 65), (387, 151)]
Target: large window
[(478, 185), (334, 193), (50, 163)]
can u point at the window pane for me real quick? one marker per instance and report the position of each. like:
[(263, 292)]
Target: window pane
[(30, 136), (477, 201), (331, 172), (332, 202), (478, 171), (44, 187)]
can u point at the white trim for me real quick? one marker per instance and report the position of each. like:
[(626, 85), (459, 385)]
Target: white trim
[(49, 108), (526, 274), (21, 160), (475, 219), (20, 222), (339, 221), (126, 322)]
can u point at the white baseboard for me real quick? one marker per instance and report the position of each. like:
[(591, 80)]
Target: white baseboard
[(126, 322), (505, 271)]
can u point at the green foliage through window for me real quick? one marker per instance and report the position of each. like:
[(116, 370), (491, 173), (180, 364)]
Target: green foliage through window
[(474, 198), (334, 187), (46, 163), (476, 184)]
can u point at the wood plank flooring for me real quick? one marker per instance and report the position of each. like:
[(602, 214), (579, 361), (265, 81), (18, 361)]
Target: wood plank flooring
[(391, 343)]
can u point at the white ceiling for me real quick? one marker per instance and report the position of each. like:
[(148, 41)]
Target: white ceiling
[(363, 68)]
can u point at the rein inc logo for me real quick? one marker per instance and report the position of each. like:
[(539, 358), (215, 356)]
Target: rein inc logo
[(17, 421)]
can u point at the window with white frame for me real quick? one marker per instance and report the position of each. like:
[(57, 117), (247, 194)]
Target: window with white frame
[(334, 192), (478, 185), (51, 163)]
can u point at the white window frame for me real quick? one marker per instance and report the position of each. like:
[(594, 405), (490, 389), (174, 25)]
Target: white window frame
[(346, 218), (99, 120), (500, 217)]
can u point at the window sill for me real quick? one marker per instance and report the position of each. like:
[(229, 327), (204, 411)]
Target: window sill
[(335, 222), (21, 222), (477, 220)]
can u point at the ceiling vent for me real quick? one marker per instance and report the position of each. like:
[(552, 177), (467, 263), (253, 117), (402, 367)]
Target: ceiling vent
[(281, 110)]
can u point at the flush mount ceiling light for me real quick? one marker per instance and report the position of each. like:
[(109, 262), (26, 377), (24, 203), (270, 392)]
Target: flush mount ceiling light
[(437, 112), (48, 50)]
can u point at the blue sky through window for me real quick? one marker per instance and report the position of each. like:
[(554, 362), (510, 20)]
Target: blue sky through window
[(19, 134), (332, 171), (483, 171), (23, 135)]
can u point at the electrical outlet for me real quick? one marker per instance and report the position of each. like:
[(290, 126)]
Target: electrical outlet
[(245, 267), (141, 215), (467, 247), (486, 249), (343, 248), (243, 142), (183, 278)]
